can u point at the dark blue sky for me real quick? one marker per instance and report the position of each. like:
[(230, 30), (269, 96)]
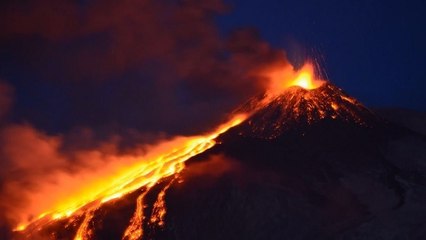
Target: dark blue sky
[(373, 49)]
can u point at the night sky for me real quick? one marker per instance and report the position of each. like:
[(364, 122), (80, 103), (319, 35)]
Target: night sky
[(374, 49), (177, 67)]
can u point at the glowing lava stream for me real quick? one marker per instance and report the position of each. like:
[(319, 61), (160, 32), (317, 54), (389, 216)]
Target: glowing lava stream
[(146, 174)]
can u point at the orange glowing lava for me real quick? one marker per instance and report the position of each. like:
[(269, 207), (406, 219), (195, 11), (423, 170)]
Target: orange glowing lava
[(306, 78), (145, 174), (283, 77)]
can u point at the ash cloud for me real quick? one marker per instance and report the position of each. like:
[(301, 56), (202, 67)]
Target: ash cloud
[(147, 65), (6, 100)]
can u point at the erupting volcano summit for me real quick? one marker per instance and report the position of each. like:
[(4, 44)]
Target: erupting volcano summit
[(302, 101)]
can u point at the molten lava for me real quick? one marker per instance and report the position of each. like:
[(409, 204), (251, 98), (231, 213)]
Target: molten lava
[(306, 78), (283, 78), (146, 174)]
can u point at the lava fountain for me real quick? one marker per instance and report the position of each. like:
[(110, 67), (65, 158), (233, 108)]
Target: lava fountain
[(282, 78), (306, 78)]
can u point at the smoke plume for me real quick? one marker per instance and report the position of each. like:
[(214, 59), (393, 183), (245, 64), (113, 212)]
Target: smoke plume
[(147, 65)]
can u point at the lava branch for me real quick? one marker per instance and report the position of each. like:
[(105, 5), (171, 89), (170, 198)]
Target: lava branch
[(159, 209), (84, 232), (135, 229)]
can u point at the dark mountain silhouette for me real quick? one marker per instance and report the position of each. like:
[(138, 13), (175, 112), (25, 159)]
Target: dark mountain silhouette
[(308, 164)]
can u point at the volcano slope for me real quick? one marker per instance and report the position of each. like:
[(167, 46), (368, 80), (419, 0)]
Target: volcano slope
[(307, 164)]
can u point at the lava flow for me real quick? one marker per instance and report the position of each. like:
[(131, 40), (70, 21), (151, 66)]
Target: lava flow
[(145, 174)]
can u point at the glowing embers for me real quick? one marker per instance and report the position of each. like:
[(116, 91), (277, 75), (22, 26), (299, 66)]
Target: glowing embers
[(306, 78)]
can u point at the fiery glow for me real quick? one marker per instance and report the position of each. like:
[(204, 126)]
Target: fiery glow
[(146, 173), (159, 210), (306, 78), (134, 231), (282, 78), (84, 232)]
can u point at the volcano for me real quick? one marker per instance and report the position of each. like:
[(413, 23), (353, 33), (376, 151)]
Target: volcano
[(306, 164)]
